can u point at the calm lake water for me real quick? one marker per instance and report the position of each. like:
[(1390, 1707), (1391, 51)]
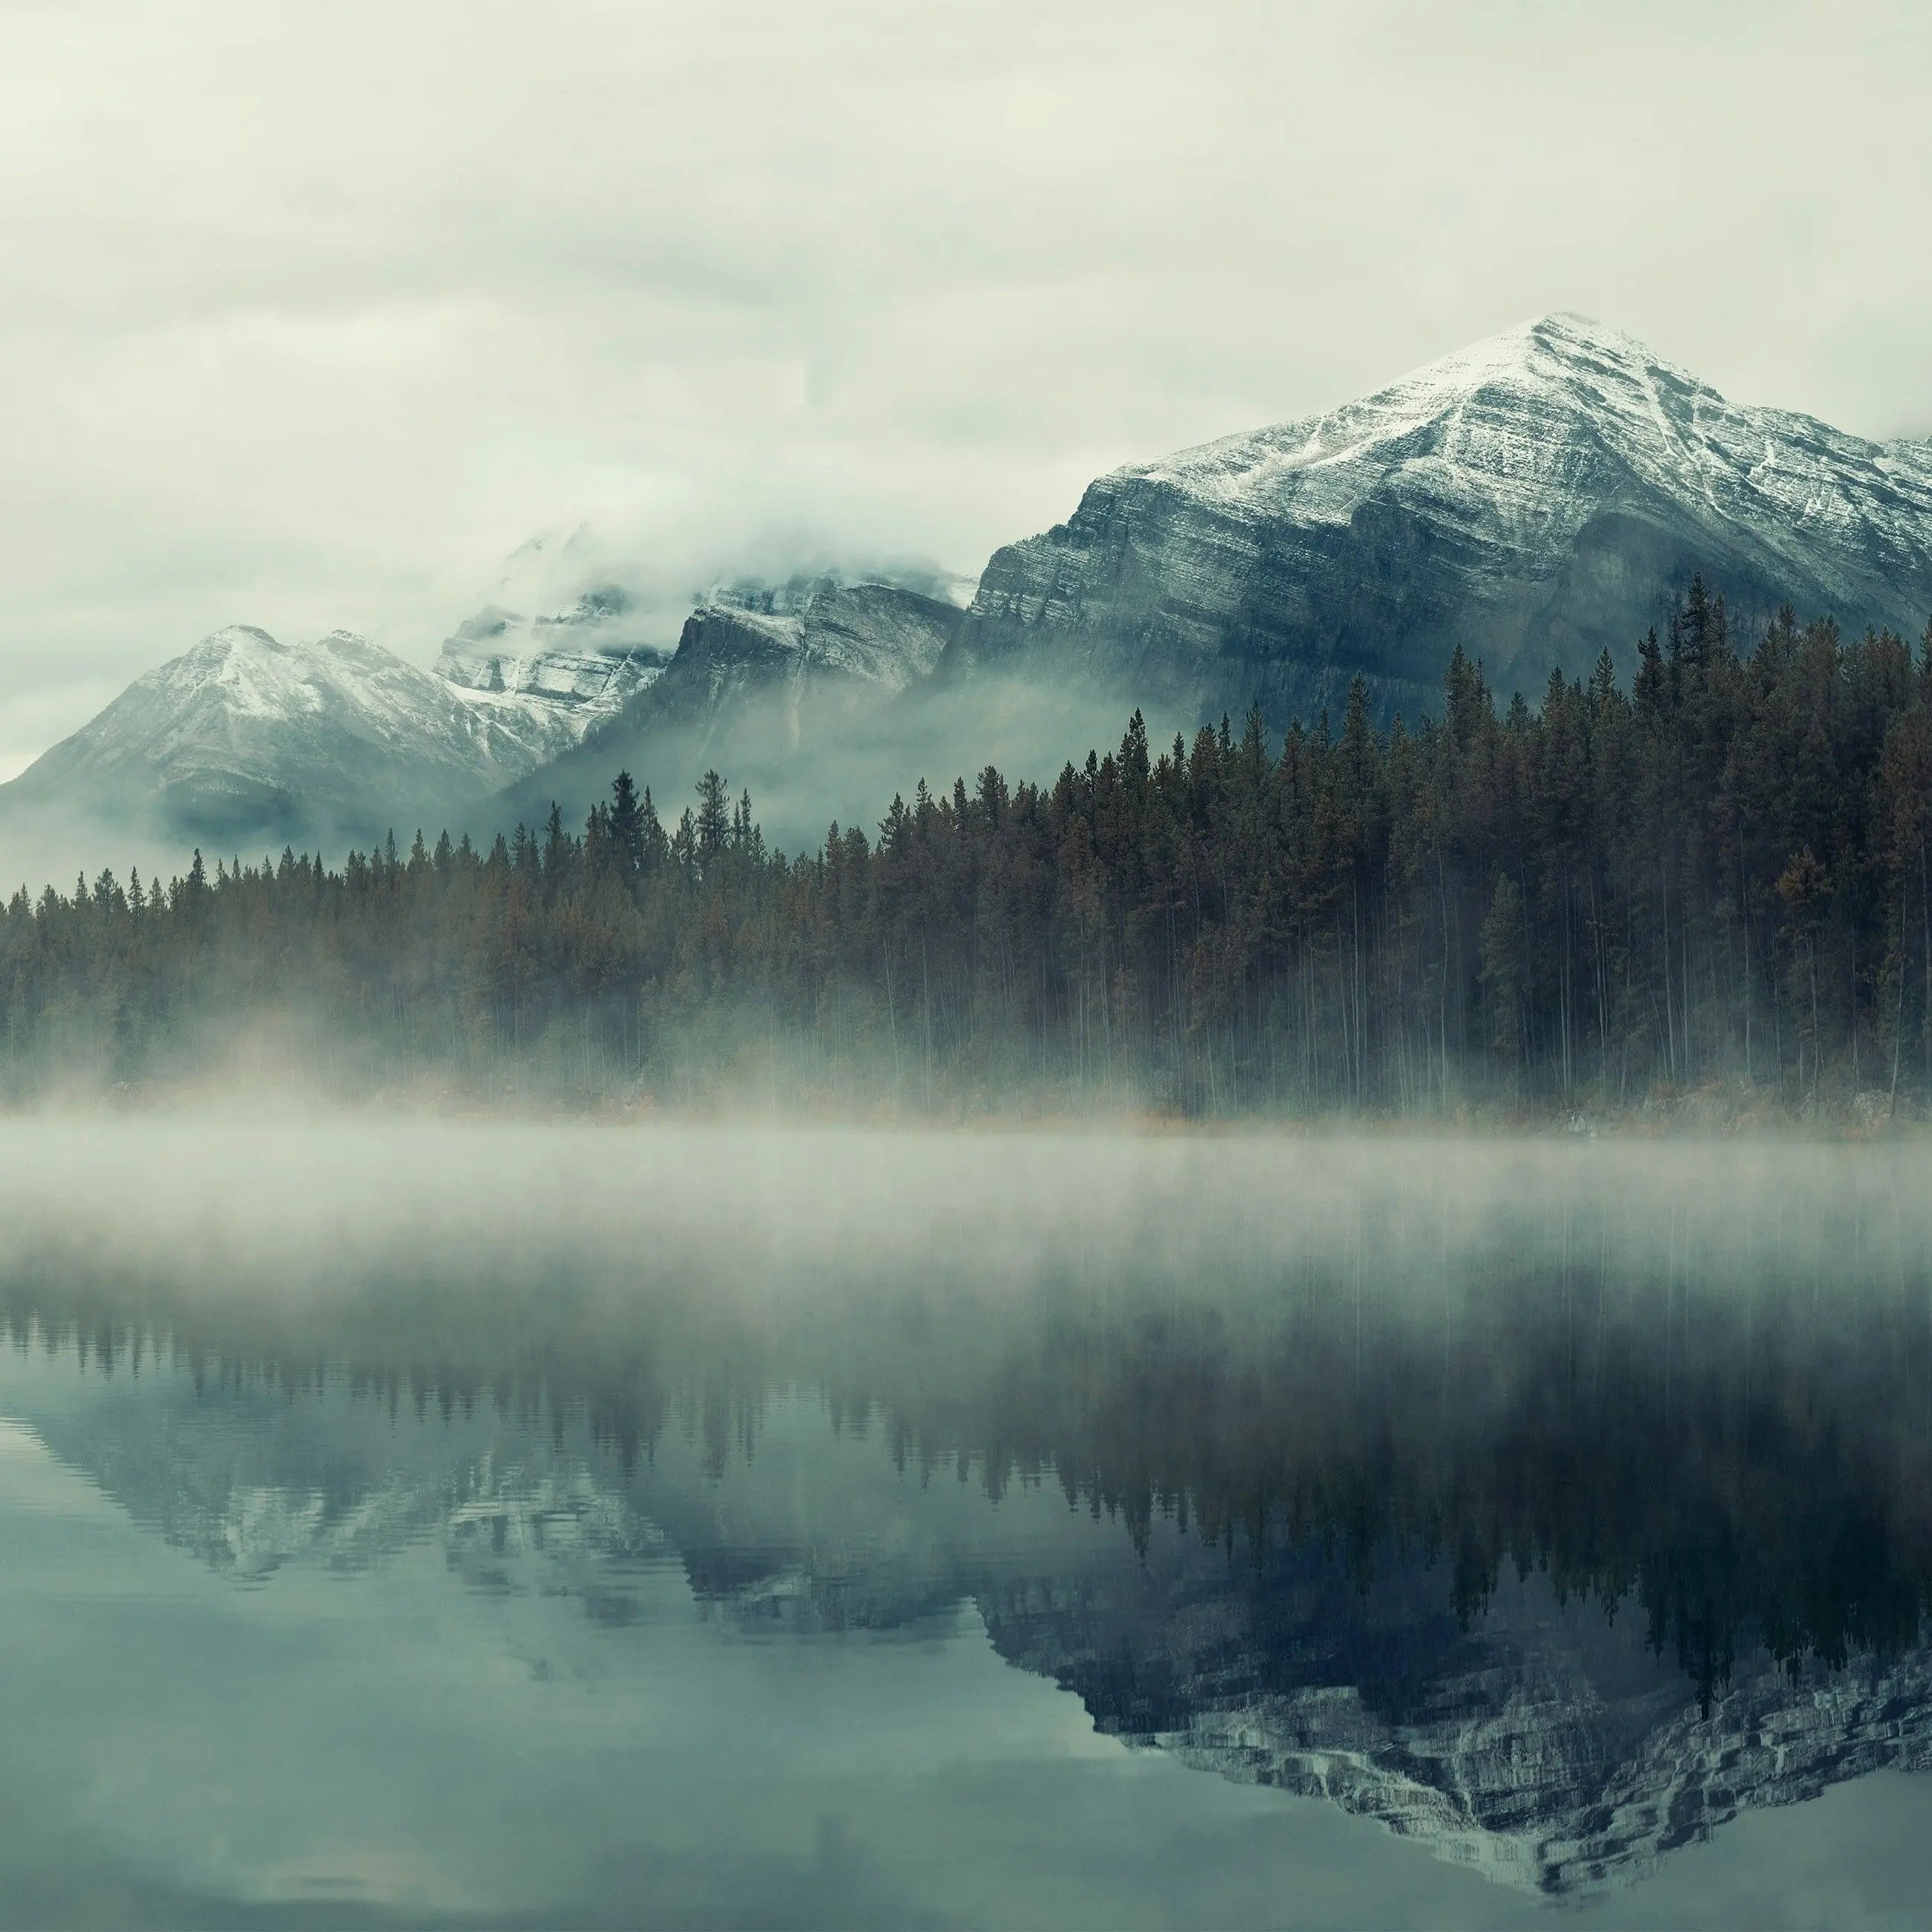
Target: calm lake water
[(427, 1524)]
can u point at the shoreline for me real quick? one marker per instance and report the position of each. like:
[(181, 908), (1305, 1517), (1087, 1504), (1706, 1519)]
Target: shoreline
[(1712, 1114)]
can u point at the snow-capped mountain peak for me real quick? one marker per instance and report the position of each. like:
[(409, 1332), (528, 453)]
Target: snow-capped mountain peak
[(247, 734), (1536, 498), (1526, 432), (583, 657)]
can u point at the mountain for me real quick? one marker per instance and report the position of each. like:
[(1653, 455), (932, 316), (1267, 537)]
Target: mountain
[(244, 734), (1537, 498), (551, 680), (245, 737), (761, 680), (841, 639)]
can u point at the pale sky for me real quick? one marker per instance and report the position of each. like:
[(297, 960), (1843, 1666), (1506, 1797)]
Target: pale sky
[(311, 314)]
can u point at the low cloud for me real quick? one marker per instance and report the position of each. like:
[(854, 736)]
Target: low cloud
[(311, 317)]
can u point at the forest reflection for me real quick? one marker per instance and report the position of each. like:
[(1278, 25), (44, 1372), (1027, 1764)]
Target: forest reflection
[(1704, 1395)]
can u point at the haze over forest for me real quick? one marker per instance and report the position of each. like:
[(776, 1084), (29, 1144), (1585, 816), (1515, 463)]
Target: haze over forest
[(965, 964), (1543, 728), (1719, 881)]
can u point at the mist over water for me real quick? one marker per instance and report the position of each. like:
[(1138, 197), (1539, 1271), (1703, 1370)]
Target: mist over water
[(852, 1527), (897, 1096)]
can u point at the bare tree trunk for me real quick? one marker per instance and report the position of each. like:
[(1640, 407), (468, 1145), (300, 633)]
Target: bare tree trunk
[(1925, 907), (1744, 906), (1855, 1009), (1898, 1018), (1817, 1034), (1442, 1008), (1669, 1012)]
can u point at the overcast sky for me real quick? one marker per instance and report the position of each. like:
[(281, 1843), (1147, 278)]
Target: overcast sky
[(311, 314)]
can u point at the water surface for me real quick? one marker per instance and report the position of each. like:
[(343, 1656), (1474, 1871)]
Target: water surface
[(412, 1524)]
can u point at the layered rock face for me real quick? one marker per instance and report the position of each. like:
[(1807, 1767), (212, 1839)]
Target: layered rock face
[(246, 737), (1537, 498), (551, 680), (756, 680), (857, 640)]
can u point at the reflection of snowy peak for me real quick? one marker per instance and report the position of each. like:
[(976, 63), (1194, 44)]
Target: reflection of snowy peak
[(1543, 1745), (247, 1490), (1525, 1791)]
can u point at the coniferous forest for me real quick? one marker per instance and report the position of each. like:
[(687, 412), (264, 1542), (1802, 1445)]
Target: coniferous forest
[(1715, 882)]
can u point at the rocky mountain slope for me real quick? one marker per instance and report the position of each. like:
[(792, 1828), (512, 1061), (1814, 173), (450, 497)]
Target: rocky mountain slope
[(247, 738), (759, 683), (551, 679), (848, 639), (1536, 498)]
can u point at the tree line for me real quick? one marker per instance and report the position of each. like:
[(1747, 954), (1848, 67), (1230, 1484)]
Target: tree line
[(1717, 877)]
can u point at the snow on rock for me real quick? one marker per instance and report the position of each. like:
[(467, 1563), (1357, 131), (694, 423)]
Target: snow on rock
[(838, 641), (1534, 1786), (1537, 498), (247, 736), (551, 680)]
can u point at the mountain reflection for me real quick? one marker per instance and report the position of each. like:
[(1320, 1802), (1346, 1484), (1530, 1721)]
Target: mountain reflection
[(1553, 1539)]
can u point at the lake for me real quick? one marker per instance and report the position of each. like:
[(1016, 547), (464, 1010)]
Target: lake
[(432, 1523)]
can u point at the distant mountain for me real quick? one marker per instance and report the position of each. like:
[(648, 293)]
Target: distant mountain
[(551, 679), (244, 737), (761, 679), (1537, 498), (839, 638), (792, 596)]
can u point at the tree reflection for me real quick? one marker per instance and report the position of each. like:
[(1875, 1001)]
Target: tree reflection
[(1736, 1444)]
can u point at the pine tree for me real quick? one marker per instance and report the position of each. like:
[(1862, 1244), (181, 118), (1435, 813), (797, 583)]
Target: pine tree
[(714, 816), (627, 824)]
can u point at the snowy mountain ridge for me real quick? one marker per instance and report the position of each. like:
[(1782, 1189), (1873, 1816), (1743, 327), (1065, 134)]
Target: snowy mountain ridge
[(244, 734), (1477, 426), (758, 681), (1536, 498), (570, 655), (558, 677)]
